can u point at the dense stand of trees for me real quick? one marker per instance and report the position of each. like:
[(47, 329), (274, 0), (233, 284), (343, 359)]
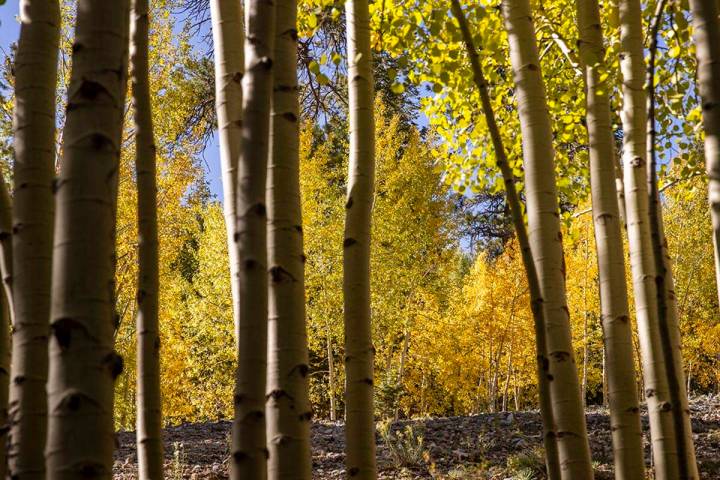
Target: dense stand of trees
[(61, 238)]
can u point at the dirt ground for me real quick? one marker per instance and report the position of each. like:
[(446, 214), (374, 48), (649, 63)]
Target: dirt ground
[(487, 446)]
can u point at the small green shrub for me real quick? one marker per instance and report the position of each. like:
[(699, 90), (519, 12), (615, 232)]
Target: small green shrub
[(405, 446), (528, 465), (178, 462)]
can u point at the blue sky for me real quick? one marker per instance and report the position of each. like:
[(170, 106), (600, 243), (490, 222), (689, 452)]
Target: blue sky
[(9, 29), (8, 25)]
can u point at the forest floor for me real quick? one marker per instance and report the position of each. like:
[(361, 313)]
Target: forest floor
[(493, 446)]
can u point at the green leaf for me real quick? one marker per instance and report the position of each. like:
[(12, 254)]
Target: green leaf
[(322, 79)]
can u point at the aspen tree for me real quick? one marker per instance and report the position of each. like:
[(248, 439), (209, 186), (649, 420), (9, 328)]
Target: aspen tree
[(546, 240), (617, 331), (33, 170), (227, 29), (288, 403), (634, 119), (549, 437), (665, 289), (248, 449), (149, 414), (5, 326), (83, 363), (359, 351), (706, 33), (6, 244), (5, 317)]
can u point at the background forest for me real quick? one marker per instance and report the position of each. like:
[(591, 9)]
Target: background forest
[(453, 331), (452, 325)]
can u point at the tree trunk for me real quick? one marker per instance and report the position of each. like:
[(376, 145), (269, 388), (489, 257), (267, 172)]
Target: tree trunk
[(546, 240), (83, 363), (549, 436), (359, 352), (249, 451), (606, 400), (583, 384), (706, 28), (619, 189), (5, 328), (331, 376), (508, 374), (228, 38), (618, 362), (288, 404), (665, 288), (6, 245), (149, 414), (492, 397), (34, 171), (634, 117), (6, 320), (401, 370)]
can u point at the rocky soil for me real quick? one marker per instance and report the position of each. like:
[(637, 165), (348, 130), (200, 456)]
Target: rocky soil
[(487, 446)]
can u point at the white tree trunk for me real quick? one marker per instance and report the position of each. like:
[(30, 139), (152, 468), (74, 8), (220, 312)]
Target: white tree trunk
[(83, 363), (249, 450), (359, 351), (288, 405), (546, 240), (34, 171)]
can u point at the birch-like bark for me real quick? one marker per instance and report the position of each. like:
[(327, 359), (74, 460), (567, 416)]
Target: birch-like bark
[(6, 320), (634, 119), (359, 351), (331, 374), (5, 328), (288, 404), (149, 413), (6, 245), (665, 289), (33, 170), (513, 199), (83, 363), (228, 38), (546, 241), (248, 450), (706, 33), (619, 364)]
